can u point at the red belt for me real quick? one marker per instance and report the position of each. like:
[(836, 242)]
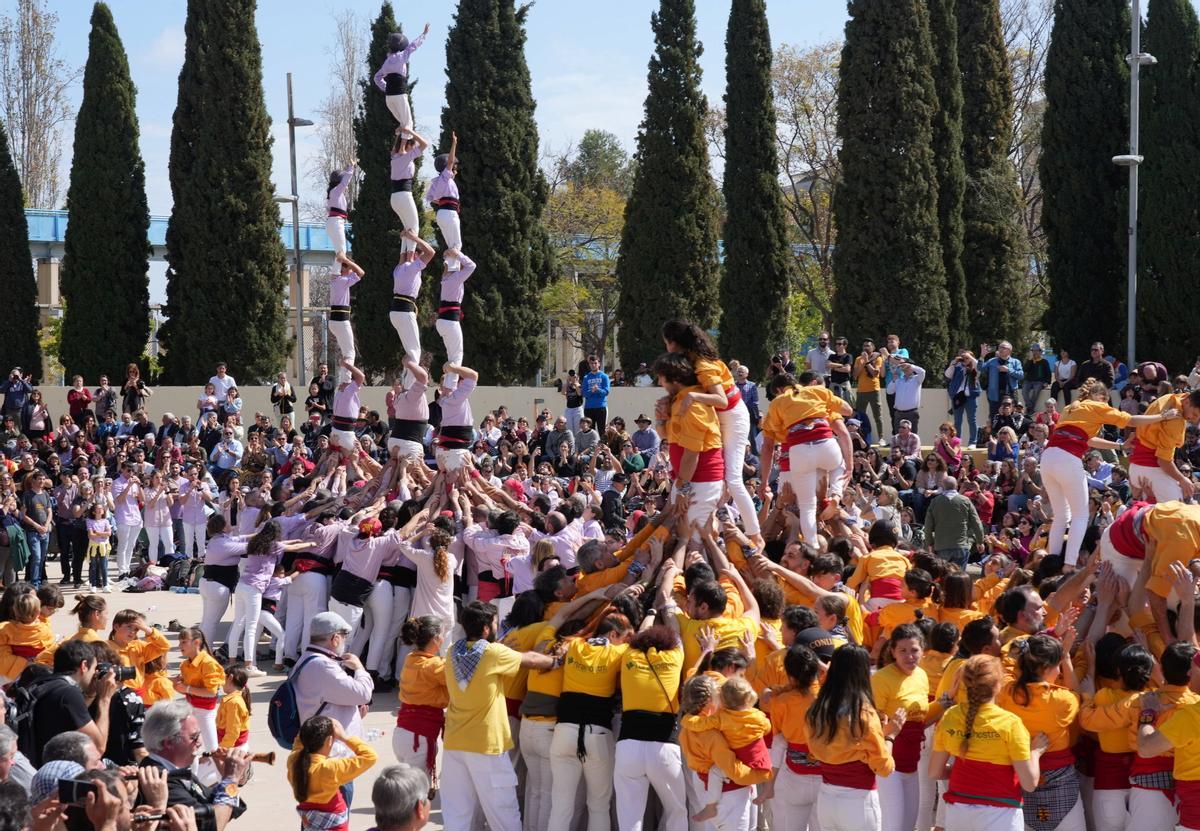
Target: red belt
[(1188, 793), (423, 720), (513, 706), (339, 213), (25, 651), (1112, 770), (889, 588), (202, 703), (850, 775), (1056, 759), (906, 749), (733, 397), (242, 738), (1071, 439), (800, 762), (728, 786)]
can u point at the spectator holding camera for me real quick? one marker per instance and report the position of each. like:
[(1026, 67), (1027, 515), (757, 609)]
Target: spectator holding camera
[(62, 699)]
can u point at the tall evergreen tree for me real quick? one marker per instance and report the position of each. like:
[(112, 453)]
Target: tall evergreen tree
[(374, 227), (227, 271), (993, 237), (104, 272), (888, 268), (1169, 245), (948, 161), (668, 265), (1083, 211), (754, 284), (489, 104), (20, 345)]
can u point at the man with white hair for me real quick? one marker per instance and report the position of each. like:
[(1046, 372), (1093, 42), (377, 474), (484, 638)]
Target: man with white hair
[(1000, 376), (401, 799)]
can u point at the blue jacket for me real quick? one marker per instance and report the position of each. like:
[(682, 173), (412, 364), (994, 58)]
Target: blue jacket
[(598, 399), (16, 393), (997, 388), (958, 383)]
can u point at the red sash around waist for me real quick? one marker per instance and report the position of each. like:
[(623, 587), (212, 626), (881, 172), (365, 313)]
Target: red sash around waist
[(889, 588), (983, 783), (423, 721), (807, 432), (513, 705), (201, 703), (339, 213), (1188, 801), (733, 397), (336, 806), (1112, 770), (754, 755), (800, 762), (849, 775), (242, 738), (728, 786), (1143, 454), (1155, 764), (906, 749), (1071, 439), (24, 651), (1055, 759)]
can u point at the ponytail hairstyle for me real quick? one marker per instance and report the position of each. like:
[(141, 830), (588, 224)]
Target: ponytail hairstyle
[(419, 631), (782, 381), (87, 605), (981, 676), (195, 633), (335, 179), (802, 666), (241, 679), (690, 338), (1135, 664), (846, 694), (919, 582), (944, 638), (312, 737), (1036, 655), (439, 542), (836, 604)]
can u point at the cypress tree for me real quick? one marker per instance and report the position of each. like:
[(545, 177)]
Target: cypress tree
[(1083, 211), (1169, 246), (489, 104), (948, 161), (374, 228), (20, 345), (888, 269), (227, 271), (755, 236), (667, 266), (104, 273), (993, 238)]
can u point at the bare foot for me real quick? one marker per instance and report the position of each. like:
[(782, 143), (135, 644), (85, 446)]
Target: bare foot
[(706, 813)]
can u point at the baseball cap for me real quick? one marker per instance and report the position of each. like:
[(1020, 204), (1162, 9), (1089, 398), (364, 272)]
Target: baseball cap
[(45, 781), (819, 641), (328, 623)]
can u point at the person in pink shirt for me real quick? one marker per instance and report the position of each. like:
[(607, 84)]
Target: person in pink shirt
[(158, 501), (339, 307), (450, 315), (392, 77), (406, 288), (194, 494), (458, 425), (346, 406), (408, 413), (337, 207), (442, 194), (126, 493), (408, 147)]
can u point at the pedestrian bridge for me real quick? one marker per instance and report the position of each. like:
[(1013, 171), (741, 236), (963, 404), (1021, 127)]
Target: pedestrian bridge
[(48, 229)]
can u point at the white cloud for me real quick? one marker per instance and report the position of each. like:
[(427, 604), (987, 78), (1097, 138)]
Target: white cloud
[(166, 50)]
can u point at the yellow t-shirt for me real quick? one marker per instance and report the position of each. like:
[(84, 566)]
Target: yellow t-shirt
[(593, 667), (1164, 437), (934, 663), (997, 736), (867, 382), (796, 404), (895, 614), (1182, 730), (1175, 529), (327, 773), (868, 748), (739, 727), (522, 640), (1091, 416), (892, 689), (712, 373), (477, 719), (695, 428), (788, 712), (1107, 715), (1051, 710), (959, 617), (423, 680), (232, 719), (641, 690), (877, 564), (728, 632)]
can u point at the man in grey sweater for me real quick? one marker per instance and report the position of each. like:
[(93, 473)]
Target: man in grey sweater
[(952, 524)]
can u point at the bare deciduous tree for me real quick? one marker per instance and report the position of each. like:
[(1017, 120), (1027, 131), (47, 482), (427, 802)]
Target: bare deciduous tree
[(348, 56), (33, 87)]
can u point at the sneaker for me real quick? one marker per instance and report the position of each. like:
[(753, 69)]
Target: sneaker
[(107, 590), (254, 672), (174, 626), (78, 585)]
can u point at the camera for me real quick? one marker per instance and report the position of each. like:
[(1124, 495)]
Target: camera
[(120, 674), (75, 791)]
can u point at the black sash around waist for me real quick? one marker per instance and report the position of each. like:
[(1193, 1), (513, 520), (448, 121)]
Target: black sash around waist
[(339, 313), (408, 429), (395, 84), (454, 437), (581, 708), (227, 576), (350, 588), (446, 204), (450, 311), (645, 726), (402, 186), (404, 303), (400, 576), (339, 213), (488, 577), (344, 423)]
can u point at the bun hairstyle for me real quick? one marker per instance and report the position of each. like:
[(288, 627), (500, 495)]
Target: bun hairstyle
[(397, 42), (1135, 664), (981, 675), (419, 631), (87, 605), (440, 161), (1035, 656), (1090, 387)]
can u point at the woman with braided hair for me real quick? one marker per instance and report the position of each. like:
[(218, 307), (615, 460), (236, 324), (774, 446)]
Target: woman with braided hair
[(986, 753)]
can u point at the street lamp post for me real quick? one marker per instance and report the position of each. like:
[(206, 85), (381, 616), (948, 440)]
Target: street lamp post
[(1133, 160), (297, 258)]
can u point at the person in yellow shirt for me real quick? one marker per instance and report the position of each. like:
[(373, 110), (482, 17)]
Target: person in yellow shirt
[(317, 778), (850, 740), (1153, 458), (158, 684), (938, 655), (824, 579), (423, 696), (958, 604), (744, 729), (1171, 531), (92, 612), (994, 758), (24, 637), (979, 637), (918, 603), (477, 738), (879, 575), (1045, 707), (902, 685), (136, 651), (693, 437), (200, 679), (868, 367), (706, 603), (796, 777), (1158, 772), (1062, 471), (233, 713)]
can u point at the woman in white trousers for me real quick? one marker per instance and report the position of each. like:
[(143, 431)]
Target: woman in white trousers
[(348, 275), (793, 790), (417, 738), (401, 581), (337, 208), (308, 596), (407, 148), (157, 516), (443, 195)]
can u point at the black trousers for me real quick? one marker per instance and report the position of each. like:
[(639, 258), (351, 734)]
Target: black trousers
[(599, 417)]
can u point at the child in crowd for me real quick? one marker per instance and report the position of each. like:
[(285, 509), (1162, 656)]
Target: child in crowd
[(158, 686), (99, 531), (744, 728), (233, 714), (317, 778), (24, 637), (200, 678)]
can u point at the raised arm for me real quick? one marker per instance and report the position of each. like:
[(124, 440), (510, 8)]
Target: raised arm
[(424, 250), (355, 372), (452, 157), (461, 371), (418, 371)]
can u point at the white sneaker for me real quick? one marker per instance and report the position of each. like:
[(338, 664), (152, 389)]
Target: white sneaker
[(107, 590), (254, 672)]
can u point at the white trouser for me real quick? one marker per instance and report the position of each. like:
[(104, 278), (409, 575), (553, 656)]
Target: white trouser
[(1109, 809), (899, 795), (572, 415), (1084, 804), (480, 783), (335, 227), (400, 109), (450, 460), (452, 337), (343, 333), (193, 538), (156, 534), (735, 435), (962, 817), (215, 600), (734, 810), (308, 594), (1152, 809), (405, 324), (406, 208), (247, 607), (268, 621), (1165, 488), (848, 809), (808, 462), (535, 750), (1067, 490), (596, 770), (927, 799), (1126, 567), (403, 742), (408, 449), (377, 619), (207, 721), (639, 766), (351, 614), (451, 228), (401, 602), (795, 802), (127, 537), (702, 503), (344, 440)]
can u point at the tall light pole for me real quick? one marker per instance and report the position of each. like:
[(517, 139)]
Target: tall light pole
[(1133, 160), (297, 258)]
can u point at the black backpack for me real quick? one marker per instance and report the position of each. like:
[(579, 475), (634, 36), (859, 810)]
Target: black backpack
[(24, 700)]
